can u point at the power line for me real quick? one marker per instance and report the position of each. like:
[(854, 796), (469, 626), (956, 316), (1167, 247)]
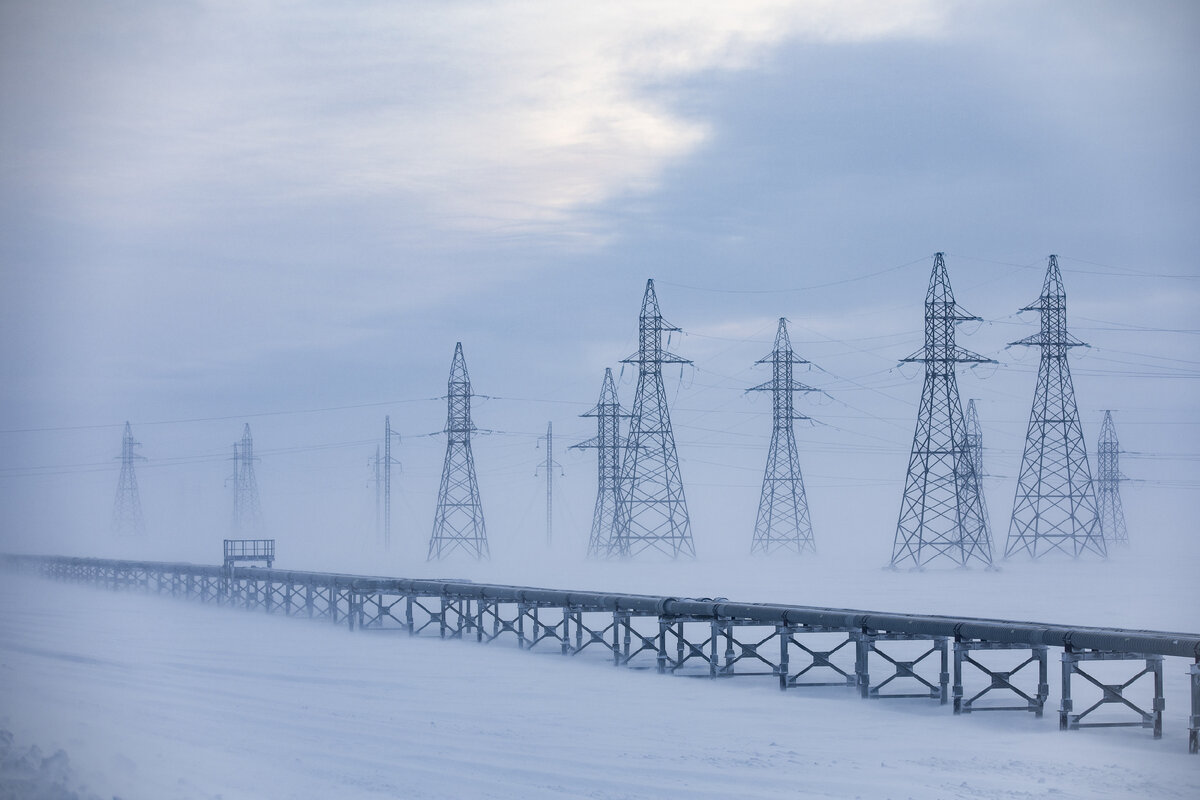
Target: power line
[(185, 420), (809, 288)]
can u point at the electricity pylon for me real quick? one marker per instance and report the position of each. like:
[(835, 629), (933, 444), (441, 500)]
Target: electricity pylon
[(783, 521), (549, 467), (377, 468), (1055, 504), (607, 443), (458, 522), (975, 448), (941, 515), (652, 512), (247, 512), (127, 508), (388, 462), (1108, 484)]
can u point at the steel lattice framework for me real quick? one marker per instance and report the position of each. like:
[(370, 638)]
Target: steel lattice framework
[(1108, 484), (1055, 504), (127, 517), (549, 466), (652, 513), (607, 444), (975, 448), (941, 515), (377, 469), (388, 462), (247, 511), (458, 522), (783, 522)]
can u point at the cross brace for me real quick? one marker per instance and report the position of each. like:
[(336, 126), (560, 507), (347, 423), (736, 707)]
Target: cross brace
[(867, 642), (999, 680), (1113, 693)]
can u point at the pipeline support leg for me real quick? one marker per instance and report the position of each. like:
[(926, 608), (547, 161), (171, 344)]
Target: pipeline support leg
[(1194, 721), (1065, 706)]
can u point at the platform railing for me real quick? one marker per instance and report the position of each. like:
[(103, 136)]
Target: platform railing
[(882, 655)]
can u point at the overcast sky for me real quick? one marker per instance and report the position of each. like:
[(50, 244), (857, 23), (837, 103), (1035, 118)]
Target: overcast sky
[(224, 212)]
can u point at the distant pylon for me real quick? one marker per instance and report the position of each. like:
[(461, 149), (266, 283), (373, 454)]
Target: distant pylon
[(388, 461), (549, 467), (127, 508), (975, 448), (458, 522), (1055, 503), (1108, 484), (652, 512), (247, 513), (607, 443), (377, 466), (941, 515), (783, 522)]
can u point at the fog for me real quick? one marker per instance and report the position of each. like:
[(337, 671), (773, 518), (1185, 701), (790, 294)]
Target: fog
[(287, 216), (187, 250)]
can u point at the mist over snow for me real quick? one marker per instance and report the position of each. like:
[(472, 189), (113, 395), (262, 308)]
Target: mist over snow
[(288, 214)]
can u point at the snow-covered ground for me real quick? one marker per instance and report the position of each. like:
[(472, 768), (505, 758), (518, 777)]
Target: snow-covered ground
[(157, 698)]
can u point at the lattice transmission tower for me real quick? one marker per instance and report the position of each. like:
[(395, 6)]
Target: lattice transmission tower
[(247, 511), (549, 466), (376, 464), (127, 517), (941, 515), (607, 444), (458, 522), (1108, 484), (1055, 504), (387, 462), (652, 513), (783, 522), (975, 448)]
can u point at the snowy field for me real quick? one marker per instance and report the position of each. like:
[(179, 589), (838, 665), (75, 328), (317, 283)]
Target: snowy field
[(157, 698)]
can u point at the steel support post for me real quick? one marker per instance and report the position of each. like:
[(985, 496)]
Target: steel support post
[(730, 654), (862, 665), (565, 648), (784, 632), (1194, 720), (661, 659), (944, 675)]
